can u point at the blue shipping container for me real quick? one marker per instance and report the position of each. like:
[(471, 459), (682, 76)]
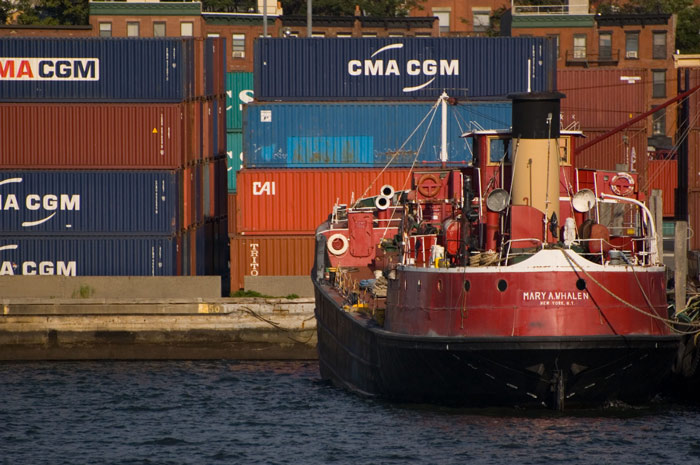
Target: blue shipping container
[(90, 202), (89, 256), (307, 135), (96, 69), (404, 68)]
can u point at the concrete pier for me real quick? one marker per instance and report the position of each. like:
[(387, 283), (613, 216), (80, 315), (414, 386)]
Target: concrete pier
[(89, 328)]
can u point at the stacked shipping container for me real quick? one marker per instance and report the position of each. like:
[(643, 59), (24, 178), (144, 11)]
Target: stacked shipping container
[(329, 115), (113, 156)]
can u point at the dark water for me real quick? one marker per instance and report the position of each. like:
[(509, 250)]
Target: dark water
[(281, 413)]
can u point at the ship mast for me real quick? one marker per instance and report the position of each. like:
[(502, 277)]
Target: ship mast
[(443, 139)]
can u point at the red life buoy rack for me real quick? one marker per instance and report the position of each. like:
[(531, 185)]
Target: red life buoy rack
[(622, 184), (429, 185)]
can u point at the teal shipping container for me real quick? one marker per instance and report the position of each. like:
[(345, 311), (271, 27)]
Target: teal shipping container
[(239, 91), (234, 157)]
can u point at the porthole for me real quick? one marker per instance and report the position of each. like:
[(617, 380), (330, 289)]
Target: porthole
[(581, 284), (467, 285), (502, 285)]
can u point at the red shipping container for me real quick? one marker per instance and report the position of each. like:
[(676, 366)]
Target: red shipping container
[(613, 151), (602, 98), (663, 175), (694, 218), (193, 198), (296, 201), (94, 136), (694, 159), (270, 256), (232, 214)]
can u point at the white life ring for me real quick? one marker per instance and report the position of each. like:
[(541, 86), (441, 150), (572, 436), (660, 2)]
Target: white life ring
[(622, 184), (332, 248)]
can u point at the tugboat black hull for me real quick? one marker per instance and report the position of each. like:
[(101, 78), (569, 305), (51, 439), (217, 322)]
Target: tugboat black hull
[(552, 372)]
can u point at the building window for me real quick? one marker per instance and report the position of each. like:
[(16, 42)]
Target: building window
[(423, 34), (482, 19), (343, 34), (369, 34), (318, 34), (396, 34), (580, 46), (132, 29), (659, 83), (443, 19), (105, 29), (659, 46), (555, 38), (158, 29), (186, 29), (605, 46), (632, 45), (658, 123), (213, 35), (238, 43)]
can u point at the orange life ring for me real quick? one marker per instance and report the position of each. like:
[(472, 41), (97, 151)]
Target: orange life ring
[(429, 189), (622, 184)]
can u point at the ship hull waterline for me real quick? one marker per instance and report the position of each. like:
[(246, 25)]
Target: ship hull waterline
[(552, 372)]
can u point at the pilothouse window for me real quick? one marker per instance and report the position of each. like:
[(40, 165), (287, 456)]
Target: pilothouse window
[(500, 149)]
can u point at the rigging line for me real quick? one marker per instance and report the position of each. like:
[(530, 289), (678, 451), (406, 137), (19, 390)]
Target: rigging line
[(430, 112), (669, 323), (277, 326), (415, 160)]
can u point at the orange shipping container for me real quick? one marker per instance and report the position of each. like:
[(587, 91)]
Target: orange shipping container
[(602, 98), (270, 256), (296, 201)]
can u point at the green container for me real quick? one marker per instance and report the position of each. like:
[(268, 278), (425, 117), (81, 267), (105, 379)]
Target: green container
[(239, 90), (234, 154)]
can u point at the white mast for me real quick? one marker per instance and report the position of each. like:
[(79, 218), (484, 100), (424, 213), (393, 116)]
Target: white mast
[(443, 142)]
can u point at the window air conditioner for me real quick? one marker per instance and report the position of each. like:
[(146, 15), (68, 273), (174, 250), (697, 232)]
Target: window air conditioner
[(631, 54)]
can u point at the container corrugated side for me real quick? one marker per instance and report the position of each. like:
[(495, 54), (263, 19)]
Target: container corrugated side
[(308, 135), (663, 175), (89, 256), (239, 90), (193, 195), (296, 201), (694, 218), (401, 68), (694, 158), (109, 136), (231, 203), (602, 98), (270, 256), (90, 202), (96, 69), (609, 153), (234, 157)]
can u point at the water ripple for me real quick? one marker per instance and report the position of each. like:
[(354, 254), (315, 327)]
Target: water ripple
[(282, 413)]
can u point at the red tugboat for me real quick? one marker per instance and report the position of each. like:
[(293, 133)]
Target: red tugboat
[(516, 281)]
